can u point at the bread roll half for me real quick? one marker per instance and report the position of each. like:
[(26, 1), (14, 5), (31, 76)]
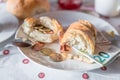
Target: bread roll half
[(44, 29), (81, 34)]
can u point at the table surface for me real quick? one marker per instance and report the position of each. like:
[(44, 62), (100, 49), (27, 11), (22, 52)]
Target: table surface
[(15, 66)]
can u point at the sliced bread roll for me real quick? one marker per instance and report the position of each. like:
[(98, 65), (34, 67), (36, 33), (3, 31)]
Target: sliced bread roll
[(81, 34), (44, 29)]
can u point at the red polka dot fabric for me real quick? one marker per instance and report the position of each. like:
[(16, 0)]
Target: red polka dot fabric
[(41, 75), (85, 76), (6, 52), (25, 61)]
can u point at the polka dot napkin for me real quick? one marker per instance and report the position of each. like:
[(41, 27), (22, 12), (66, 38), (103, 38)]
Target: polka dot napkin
[(15, 66)]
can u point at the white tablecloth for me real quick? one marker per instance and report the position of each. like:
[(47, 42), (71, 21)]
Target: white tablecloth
[(15, 66)]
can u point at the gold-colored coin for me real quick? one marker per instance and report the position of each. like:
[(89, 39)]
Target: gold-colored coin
[(56, 57), (46, 51), (111, 33)]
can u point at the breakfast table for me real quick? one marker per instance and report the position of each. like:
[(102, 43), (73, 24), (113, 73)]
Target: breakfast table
[(15, 66)]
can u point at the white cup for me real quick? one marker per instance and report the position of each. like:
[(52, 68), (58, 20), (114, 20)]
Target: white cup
[(108, 7)]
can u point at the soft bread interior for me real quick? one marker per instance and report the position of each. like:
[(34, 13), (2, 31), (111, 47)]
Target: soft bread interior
[(77, 40), (80, 36), (46, 21), (30, 24)]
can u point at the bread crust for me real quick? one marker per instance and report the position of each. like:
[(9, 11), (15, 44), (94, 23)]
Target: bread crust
[(54, 25), (27, 8), (77, 28), (90, 26)]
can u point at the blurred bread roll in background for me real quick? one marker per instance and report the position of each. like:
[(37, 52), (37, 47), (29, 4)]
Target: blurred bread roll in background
[(27, 8)]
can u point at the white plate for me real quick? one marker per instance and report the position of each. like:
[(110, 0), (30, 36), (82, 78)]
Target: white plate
[(8, 24), (66, 18)]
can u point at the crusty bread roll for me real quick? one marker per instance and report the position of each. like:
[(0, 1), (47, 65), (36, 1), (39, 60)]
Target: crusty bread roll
[(27, 8), (81, 34), (44, 29)]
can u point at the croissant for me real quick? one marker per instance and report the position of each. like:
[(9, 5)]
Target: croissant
[(81, 34), (44, 29)]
